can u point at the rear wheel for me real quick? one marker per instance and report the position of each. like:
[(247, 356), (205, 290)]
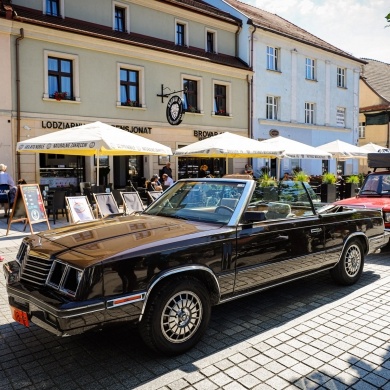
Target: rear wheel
[(177, 316), (350, 267)]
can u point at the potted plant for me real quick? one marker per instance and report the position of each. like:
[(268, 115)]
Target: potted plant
[(269, 187), (328, 188), (59, 95), (351, 186), (300, 176)]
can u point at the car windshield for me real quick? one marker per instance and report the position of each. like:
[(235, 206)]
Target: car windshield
[(200, 200), (376, 185)]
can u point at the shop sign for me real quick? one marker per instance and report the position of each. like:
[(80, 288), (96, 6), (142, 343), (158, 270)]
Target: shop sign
[(136, 129), (60, 125), (68, 125), (175, 110), (205, 134)]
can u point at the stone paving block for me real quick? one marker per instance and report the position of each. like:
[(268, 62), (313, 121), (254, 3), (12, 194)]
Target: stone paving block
[(249, 381)]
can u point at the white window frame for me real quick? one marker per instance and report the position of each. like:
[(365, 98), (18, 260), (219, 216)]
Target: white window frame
[(75, 73), (199, 80), (228, 86), (310, 69), (126, 7), (273, 58), (273, 103), (310, 109), (62, 8), (341, 77), (141, 73), (209, 30), (340, 116), (186, 31), (362, 129)]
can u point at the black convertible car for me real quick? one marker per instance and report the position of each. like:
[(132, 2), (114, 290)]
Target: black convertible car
[(201, 243)]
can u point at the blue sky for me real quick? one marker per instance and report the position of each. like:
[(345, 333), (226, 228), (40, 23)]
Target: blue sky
[(355, 26)]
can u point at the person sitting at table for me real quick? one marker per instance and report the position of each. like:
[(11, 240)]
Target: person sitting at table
[(153, 184), (167, 181)]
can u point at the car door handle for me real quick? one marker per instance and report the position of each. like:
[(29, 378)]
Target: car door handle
[(316, 230)]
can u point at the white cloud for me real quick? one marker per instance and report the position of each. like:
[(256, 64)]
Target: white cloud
[(355, 26)]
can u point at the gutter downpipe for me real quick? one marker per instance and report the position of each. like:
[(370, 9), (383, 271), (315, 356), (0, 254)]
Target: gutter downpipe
[(250, 82), (18, 98)]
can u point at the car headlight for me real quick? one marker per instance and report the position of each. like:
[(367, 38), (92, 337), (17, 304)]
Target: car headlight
[(386, 217), (64, 277)]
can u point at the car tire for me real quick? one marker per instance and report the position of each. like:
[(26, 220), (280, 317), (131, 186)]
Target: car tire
[(350, 267), (176, 317)]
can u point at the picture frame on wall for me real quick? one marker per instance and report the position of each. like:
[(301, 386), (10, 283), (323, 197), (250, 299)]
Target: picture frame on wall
[(162, 160)]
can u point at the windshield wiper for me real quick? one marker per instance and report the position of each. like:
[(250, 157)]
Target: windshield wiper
[(369, 192)]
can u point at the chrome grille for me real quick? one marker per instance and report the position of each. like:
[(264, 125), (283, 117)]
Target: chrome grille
[(22, 252), (35, 270)]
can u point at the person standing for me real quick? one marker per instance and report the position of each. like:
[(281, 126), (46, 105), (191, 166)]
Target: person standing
[(203, 171), (167, 169), (5, 179)]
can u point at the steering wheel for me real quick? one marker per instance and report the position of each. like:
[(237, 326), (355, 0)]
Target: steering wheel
[(228, 209)]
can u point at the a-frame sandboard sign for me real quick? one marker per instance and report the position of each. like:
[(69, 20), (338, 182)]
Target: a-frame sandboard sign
[(28, 207)]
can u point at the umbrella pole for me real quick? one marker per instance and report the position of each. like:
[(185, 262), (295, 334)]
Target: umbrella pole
[(97, 169), (278, 160)]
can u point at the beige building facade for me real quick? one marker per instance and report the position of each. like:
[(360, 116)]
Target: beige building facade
[(66, 64)]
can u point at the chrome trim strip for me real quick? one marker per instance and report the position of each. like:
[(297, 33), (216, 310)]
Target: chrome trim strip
[(49, 309), (173, 272)]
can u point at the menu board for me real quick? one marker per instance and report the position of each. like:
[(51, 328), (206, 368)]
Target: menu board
[(28, 206)]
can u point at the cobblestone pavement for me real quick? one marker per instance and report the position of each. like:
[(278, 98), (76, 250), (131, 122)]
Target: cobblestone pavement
[(309, 334)]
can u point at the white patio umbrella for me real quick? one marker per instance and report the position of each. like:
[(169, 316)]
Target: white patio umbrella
[(343, 150), (374, 148), (93, 139), (227, 145), (294, 149)]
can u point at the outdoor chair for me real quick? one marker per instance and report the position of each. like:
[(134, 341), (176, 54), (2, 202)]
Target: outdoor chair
[(106, 204), (79, 209), (132, 202), (57, 203), (153, 195)]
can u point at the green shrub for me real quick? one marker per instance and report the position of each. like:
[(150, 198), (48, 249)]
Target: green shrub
[(353, 179), (329, 178)]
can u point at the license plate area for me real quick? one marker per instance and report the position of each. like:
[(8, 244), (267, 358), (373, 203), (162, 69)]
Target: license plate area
[(20, 316)]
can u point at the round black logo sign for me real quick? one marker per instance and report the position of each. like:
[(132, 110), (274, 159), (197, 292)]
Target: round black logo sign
[(175, 111)]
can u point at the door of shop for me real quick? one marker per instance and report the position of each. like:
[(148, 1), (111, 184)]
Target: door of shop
[(189, 166), (128, 170)]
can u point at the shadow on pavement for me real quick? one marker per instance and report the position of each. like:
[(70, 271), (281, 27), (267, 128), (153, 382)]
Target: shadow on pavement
[(117, 358)]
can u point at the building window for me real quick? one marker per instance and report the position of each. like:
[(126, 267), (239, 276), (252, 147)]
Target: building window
[(362, 129), (131, 85), (310, 69), (341, 77), (120, 15), (190, 103), (220, 100), (340, 117), (53, 7), (309, 113), (211, 44), (60, 75), (272, 107), (272, 58), (181, 33)]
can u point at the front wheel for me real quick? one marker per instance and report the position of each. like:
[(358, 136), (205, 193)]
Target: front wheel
[(350, 267), (176, 317)]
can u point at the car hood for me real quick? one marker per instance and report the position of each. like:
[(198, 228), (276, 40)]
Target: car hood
[(89, 243), (374, 203)]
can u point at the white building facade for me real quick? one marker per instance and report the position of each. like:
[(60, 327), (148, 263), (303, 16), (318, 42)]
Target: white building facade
[(303, 88)]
